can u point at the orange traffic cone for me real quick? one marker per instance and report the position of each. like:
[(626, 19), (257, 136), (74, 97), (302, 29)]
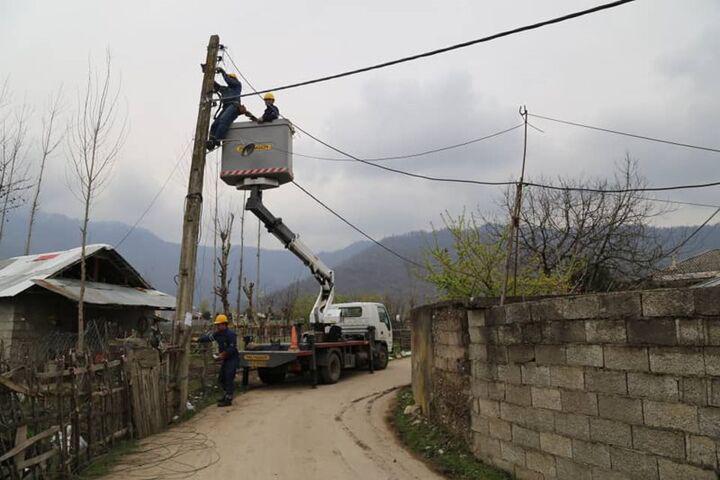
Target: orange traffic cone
[(294, 339)]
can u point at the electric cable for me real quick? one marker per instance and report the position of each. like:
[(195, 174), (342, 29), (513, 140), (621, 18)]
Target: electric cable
[(626, 134), (622, 190), (361, 232), (695, 232), (457, 46), (157, 195)]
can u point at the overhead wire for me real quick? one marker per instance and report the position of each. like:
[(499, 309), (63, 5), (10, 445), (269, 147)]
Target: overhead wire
[(457, 46), (627, 134), (695, 232)]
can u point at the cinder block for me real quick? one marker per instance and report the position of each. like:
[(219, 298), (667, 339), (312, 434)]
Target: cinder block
[(702, 451), (690, 331), (579, 402), (694, 390), (542, 463), (633, 463), (626, 358), (486, 445), (712, 330), (653, 387), (620, 305), (610, 432), (659, 442), (478, 335), (499, 429), (478, 352), (476, 318), (532, 374), (654, 331), (509, 373), (569, 470), (591, 453), (546, 398), (712, 360), (567, 377), (540, 420), (550, 354), (563, 332), (672, 471), (556, 444), (525, 437), (623, 409), (479, 423), (521, 353), (709, 420), (605, 331), (605, 381), (514, 454), (517, 313), (572, 425), (545, 310), (518, 394), (671, 415), (707, 301), (497, 354), (523, 473), (509, 334), (479, 387), (714, 397), (585, 355), (677, 361), (496, 390), (489, 408), (495, 316), (668, 303), (531, 332)]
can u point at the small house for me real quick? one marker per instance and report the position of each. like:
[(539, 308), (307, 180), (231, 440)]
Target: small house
[(39, 297), (697, 271)]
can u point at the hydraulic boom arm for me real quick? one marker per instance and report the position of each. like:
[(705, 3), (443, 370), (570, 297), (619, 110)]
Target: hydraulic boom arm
[(291, 241)]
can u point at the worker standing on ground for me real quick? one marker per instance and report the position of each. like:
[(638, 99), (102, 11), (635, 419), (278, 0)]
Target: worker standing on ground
[(228, 354), (230, 108), (271, 111)]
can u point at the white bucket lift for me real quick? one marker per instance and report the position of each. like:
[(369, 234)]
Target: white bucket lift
[(257, 155)]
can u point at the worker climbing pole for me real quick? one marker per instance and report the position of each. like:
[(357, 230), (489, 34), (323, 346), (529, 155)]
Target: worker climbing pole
[(191, 223)]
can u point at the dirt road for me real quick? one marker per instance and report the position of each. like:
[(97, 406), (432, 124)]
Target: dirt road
[(288, 432)]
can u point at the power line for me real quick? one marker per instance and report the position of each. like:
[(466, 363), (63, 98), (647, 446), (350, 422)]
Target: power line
[(157, 195), (457, 46), (623, 190), (626, 134), (376, 242), (695, 232)]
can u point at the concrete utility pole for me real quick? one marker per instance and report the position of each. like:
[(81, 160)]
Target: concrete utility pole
[(191, 223), (514, 227)]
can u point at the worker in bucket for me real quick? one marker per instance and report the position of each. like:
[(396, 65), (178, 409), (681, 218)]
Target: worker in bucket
[(228, 355), (271, 111), (230, 108)]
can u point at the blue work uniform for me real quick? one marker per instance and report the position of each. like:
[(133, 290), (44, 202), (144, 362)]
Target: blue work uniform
[(227, 342), (229, 103), (271, 113)]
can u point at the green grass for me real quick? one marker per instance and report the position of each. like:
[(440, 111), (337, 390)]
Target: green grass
[(443, 451), (104, 464)]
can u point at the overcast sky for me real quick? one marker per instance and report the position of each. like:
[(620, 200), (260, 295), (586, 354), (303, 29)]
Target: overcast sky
[(649, 67)]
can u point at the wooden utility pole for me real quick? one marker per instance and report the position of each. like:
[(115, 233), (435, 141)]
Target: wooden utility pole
[(514, 226), (191, 223)]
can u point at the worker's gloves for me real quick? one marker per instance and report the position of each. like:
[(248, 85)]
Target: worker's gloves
[(219, 70), (241, 109)]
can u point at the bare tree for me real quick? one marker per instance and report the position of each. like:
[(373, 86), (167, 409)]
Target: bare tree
[(288, 299), (13, 179), (242, 254), (49, 141), (603, 237), (94, 143), (222, 290), (248, 289)]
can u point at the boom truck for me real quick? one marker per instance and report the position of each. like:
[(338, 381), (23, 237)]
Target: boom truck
[(258, 157)]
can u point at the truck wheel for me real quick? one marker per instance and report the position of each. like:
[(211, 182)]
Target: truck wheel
[(381, 357), (272, 376), (330, 373)]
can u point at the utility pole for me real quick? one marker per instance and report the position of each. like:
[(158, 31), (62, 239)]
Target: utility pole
[(191, 224), (257, 273), (514, 226)]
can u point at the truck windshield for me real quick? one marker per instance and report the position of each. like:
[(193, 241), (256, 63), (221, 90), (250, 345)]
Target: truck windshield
[(348, 312)]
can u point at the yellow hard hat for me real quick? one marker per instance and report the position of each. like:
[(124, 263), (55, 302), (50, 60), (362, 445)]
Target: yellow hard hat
[(232, 75), (221, 319), (269, 96)]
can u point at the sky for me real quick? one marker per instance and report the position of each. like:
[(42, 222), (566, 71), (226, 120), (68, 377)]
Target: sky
[(649, 67)]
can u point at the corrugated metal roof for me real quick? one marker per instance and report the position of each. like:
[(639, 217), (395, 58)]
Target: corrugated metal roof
[(708, 261), (108, 294), (17, 274), (715, 282)]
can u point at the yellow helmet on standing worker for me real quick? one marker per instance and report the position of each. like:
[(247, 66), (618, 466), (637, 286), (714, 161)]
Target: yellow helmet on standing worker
[(232, 75), (269, 96), (222, 318)]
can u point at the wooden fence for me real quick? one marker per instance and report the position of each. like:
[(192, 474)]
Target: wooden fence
[(54, 420)]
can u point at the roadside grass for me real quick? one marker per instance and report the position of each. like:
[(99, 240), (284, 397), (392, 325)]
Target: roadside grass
[(444, 452), (104, 464)]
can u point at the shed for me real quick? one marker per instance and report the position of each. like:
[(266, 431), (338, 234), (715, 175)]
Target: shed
[(39, 296), (698, 270)]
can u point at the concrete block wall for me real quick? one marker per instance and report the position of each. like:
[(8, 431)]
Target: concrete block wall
[(608, 386)]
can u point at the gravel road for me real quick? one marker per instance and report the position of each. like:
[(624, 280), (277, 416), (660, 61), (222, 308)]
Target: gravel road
[(288, 431)]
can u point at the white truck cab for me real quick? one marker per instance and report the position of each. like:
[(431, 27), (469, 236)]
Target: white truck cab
[(356, 317)]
